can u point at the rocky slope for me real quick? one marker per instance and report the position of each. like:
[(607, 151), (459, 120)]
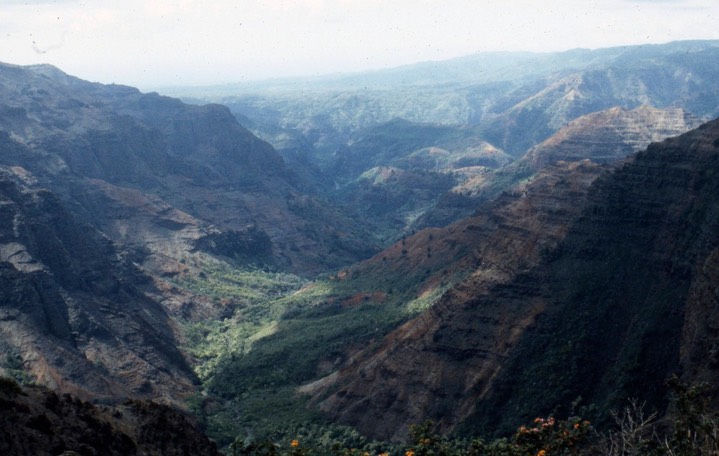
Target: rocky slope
[(391, 174), (611, 135), (75, 316), (607, 136), (602, 304), (84, 140), (118, 207), (458, 346), (409, 145)]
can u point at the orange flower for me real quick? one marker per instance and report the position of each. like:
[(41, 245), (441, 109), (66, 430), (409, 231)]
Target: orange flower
[(295, 443), (542, 453), (409, 453), (576, 426)]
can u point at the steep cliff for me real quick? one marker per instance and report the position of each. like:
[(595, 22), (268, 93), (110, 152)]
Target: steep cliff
[(72, 314), (611, 135), (624, 288), (436, 364), (107, 150), (597, 306)]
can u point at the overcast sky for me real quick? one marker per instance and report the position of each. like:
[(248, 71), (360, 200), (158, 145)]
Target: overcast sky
[(149, 43)]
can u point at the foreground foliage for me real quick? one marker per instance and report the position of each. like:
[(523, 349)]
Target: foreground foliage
[(694, 431)]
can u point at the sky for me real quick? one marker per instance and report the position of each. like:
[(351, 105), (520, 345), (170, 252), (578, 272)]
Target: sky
[(156, 43)]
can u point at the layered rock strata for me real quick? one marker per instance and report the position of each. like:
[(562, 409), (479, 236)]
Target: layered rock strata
[(590, 298)]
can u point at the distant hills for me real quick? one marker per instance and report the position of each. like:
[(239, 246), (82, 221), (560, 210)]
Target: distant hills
[(478, 241), (512, 102)]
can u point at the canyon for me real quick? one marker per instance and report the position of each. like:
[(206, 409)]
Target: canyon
[(546, 235)]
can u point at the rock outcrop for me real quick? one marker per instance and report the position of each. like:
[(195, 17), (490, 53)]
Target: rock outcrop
[(607, 136), (610, 135)]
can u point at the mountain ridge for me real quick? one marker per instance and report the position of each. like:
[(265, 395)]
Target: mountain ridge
[(180, 153), (678, 177)]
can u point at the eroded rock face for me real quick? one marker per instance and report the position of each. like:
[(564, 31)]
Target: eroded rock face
[(599, 296), (71, 313), (127, 161), (607, 136), (439, 364), (618, 287), (611, 135)]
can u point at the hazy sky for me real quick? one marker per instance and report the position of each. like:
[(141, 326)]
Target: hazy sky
[(149, 43)]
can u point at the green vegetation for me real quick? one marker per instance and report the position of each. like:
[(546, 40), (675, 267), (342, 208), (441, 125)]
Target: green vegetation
[(254, 295), (248, 285), (13, 368), (694, 431), (281, 332), (284, 332)]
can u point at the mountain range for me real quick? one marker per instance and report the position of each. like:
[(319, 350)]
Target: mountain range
[(523, 233), (511, 101)]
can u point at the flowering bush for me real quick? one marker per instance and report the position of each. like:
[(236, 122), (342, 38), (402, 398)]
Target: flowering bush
[(548, 436)]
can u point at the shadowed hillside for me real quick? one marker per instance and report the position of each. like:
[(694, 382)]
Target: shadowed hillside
[(41, 422), (602, 314)]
